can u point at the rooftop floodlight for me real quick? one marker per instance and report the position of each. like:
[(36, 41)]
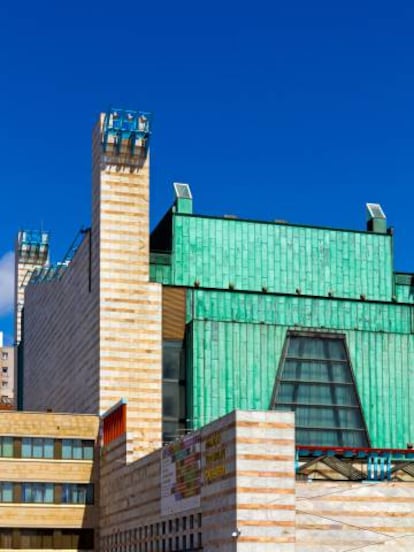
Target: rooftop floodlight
[(375, 210), (182, 191)]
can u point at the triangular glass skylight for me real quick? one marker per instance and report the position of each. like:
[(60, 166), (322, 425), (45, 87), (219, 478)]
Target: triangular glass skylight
[(315, 380)]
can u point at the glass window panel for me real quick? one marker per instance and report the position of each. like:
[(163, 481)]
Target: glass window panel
[(89, 494), (169, 431), (328, 417), (37, 448), (65, 494), (316, 371), (6, 538), (26, 536), (7, 447), (26, 447), (316, 379), (80, 494), (48, 448), (170, 399), (309, 393), (350, 417), (171, 354), (37, 492), (47, 539), (76, 449), (48, 492), (66, 448), (324, 437), (88, 450), (26, 492), (316, 347), (7, 492)]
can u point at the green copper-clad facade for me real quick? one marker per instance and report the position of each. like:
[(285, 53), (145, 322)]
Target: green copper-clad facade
[(250, 285)]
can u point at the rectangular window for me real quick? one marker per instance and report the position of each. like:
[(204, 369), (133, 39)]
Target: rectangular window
[(74, 493), (4, 355), (42, 493), (37, 447), (6, 492), (5, 370), (77, 449), (6, 447)]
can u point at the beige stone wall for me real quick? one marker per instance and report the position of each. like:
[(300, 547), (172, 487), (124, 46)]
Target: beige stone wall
[(35, 424), (130, 306), (20, 470), (247, 463), (265, 472), (344, 516), (89, 343), (61, 341)]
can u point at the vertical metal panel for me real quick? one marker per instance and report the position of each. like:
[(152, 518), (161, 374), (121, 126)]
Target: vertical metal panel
[(238, 340), (283, 258)]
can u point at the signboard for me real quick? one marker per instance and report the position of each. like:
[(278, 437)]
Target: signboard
[(215, 459), (181, 475)]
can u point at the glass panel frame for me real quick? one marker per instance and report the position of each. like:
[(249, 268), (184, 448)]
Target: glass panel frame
[(315, 379)]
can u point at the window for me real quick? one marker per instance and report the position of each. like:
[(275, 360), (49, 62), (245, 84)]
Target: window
[(6, 492), (4, 355), (5, 370), (6, 447), (77, 449), (38, 492), (4, 383), (37, 447), (173, 389), (315, 380), (74, 493)]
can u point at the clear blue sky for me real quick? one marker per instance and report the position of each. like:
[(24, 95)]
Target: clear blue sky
[(294, 110)]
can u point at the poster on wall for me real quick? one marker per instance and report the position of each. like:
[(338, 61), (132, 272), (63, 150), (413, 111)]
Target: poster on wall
[(181, 475)]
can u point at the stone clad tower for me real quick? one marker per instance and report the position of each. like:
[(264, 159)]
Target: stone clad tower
[(93, 327), (129, 305)]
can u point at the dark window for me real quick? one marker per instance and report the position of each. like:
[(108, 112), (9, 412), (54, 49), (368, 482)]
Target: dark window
[(38, 492), (6, 446), (173, 390), (315, 380), (37, 447), (76, 493), (6, 538), (6, 492), (77, 449)]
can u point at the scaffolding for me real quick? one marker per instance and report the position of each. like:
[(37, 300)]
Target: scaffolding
[(354, 464), (56, 271)]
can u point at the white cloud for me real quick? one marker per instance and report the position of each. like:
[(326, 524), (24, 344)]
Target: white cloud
[(6, 283)]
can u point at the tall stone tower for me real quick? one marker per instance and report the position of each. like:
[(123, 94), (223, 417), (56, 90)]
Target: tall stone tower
[(92, 333), (31, 252), (129, 305)]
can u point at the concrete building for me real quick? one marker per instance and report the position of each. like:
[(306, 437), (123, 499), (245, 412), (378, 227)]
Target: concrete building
[(284, 351), (7, 394), (48, 481)]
